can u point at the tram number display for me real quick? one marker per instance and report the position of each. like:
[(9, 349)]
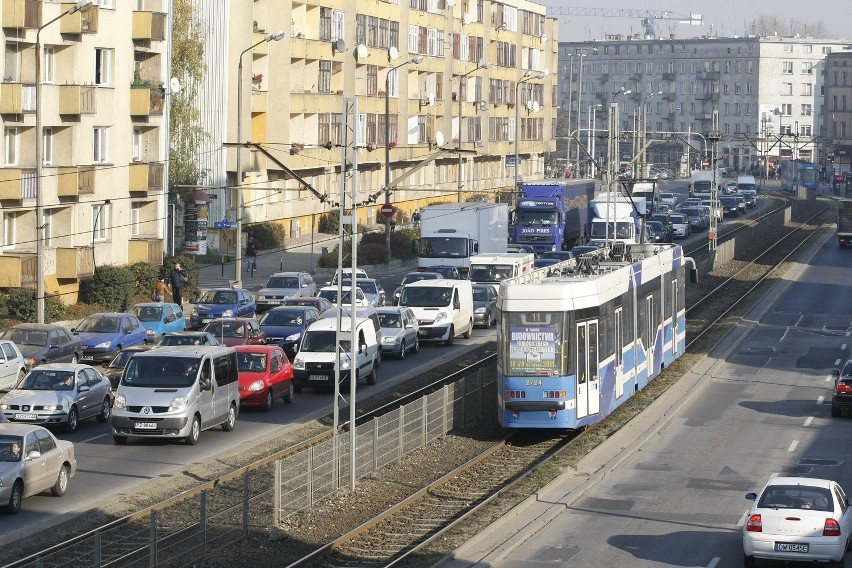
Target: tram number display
[(533, 350), (533, 382)]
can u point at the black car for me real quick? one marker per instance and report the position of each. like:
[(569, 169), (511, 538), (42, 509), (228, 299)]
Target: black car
[(188, 338), (695, 217), (413, 277), (730, 207), (285, 326), (842, 396), (41, 343), (665, 220), (114, 369), (655, 232), (561, 255), (450, 272)]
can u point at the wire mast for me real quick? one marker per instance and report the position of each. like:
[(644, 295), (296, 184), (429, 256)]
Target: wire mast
[(649, 17)]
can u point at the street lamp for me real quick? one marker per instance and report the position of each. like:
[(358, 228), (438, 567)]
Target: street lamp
[(593, 128), (481, 64), (81, 6), (641, 120), (238, 252), (94, 230), (590, 140), (528, 76), (416, 59), (582, 52)]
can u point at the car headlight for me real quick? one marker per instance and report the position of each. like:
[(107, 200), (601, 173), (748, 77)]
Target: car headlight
[(479, 310), (4, 406), (120, 403), (299, 363), (178, 403), (194, 312), (345, 363), (261, 297), (52, 407), (440, 317), (294, 337), (103, 345), (228, 314), (150, 333), (256, 386)]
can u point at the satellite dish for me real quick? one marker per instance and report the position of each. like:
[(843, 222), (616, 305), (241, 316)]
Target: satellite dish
[(393, 53), (451, 3), (431, 99), (543, 38), (546, 72), (174, 85), (529, 105), (339, 45), (466, 19), (361, 51), (483, 106), (535, 106), (439, 138)]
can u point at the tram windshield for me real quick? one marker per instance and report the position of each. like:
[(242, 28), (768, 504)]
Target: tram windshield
[(536, 344)]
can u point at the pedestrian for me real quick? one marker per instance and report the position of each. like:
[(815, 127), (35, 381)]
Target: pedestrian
[(251, 255), (160, 290), (178, 281)]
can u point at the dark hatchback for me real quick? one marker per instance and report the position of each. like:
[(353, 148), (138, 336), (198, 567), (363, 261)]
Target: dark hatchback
[(841, 398), (655, 232), (730, 207), (285, 326), (41, 343)]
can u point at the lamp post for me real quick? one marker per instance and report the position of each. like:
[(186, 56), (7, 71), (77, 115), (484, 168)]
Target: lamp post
[(238, 252), (590, 138), (416, 59), (481, 64), (94, 230), (568, 113), (581, 54), (81, 6), (642, 128), (528, 76), (593, 128)]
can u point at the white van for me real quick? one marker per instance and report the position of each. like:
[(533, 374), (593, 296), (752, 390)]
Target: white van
[(444, 308), (494, 268), (747, 182), (176, 392), (313, 365)]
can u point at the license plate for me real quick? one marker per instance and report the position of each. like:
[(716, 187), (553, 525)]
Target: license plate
[(423, 332), (145, 425), (206, 320), (790, 547), (87, 357), (317, 378), (25, 417)]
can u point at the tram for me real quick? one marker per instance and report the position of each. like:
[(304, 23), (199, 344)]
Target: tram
[(574, 343), (796, 173)]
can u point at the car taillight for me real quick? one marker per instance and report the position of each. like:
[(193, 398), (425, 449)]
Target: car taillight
[(754, 524), (831, 528), (844, 388)]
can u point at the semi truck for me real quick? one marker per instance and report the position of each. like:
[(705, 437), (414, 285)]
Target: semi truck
[(614, 217), (450, 233), (550, 214), (844, 222)]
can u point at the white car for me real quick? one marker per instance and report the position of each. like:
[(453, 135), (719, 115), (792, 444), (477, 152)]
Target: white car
[(680, 226), (330, 294), (800, 519)]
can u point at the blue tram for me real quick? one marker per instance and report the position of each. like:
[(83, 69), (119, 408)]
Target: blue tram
[(573, 346), (795, 173)]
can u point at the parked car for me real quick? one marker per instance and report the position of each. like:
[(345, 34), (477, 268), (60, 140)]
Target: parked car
[(399, 330), (41, 462), (373, 291), (105, 334), (59, 394), (188, 338), (221, 303), (112, 370), (236, 331), (265, 374), (680, 226), (159, 318), (13, 366), (283, 285), (450, 272), (560, 255), (543, 262), (330, 294), (485, 304), (320, 304), (803, 519), (413, 277), (285, 325), (45, 343)]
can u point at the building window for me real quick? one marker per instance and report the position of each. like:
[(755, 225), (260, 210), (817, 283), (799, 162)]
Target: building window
[(103, 66), (787, 67), (325, 24), (807, 89), (48, 64), (100, 225), (324, 84), (788, 47), (100, 145), (135, 216), (786, 88), (372, 79), (10, 220), (103, 3), (807, 68), (806, 129), (807, 48), (137, 145), (786, 109), (47, 146), (807, 110), (10, 139)]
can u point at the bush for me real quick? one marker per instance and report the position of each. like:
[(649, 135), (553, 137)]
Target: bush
[(268, 235), (20, 304), (329, 222), (145, 276), (372, 254), (112, 287), (400, 243)]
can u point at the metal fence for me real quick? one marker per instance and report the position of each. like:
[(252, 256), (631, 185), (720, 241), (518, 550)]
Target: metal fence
[(309, 476)]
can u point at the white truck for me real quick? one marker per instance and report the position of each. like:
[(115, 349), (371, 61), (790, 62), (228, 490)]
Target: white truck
[(615, 217), (701, 181), (494, 268), (451, 233)]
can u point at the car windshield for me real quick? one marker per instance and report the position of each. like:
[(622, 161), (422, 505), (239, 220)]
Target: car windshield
[(490, 273), (426, 297), (331, 296), (796, 497), (251, 362), (282, 282), (218, 297), (300, 301), (147, 313), (322, 342), (47, 380), (416, 277), (366, 286), (282, 317), (480, 294), (120, 360), (390, 320), (161, 372), (527, 217), (560, 254), (10, 448), (26, 337), (678, 219), (171, 340), (99, 325), (226, 328), (443, 247)]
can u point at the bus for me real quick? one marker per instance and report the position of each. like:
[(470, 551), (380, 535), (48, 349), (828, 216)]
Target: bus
[(796, 173)]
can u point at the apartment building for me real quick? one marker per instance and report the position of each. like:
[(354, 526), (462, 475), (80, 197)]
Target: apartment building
[(837, 125), (768, 92), (99, 98), (451, 72)]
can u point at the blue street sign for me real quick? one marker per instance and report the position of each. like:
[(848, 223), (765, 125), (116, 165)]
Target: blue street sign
[(225, 225), (510, 161)]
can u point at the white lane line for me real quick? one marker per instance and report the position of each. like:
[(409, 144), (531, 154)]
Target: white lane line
[(793, 446), (808, 421), (714, 562), (95, 438), (820, 399), (828, 378), (742, 520), (837, 362), (773, 475), (843, 347)]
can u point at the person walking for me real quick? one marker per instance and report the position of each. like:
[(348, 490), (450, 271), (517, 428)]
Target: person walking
[(178, 281), (160, 290), (251, 256)]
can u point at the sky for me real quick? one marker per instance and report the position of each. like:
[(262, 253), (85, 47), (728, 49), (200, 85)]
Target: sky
[(727, 17)]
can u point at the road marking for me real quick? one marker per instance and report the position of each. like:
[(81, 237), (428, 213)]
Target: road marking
[(95, 438), (742, 520), (793, 446), (837, 362), (820, 399), (828, 378), (714, 562), (843, 347), (808, 421), (774, 475)]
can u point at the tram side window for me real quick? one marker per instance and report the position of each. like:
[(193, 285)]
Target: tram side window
[(627, 320), (605, 324), (667, 307)]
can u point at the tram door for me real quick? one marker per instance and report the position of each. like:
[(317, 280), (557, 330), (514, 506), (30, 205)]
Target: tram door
[(588, 383)]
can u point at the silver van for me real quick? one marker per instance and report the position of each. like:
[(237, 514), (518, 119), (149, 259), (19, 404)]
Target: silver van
[(176, 392)]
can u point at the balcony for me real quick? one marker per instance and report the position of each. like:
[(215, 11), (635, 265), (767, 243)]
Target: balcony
[(74, 262), (259, 101), (17, 183), (145, 177), (146, 101), (708, 76), (20, 14), (87, 178), (17, 270), (263, 48), (79, 22), (17, 98), (145, 250), (149, 26), (77, 99)]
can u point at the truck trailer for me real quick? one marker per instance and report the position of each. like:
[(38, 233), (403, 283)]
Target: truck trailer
[(844, 222), (550, 214)]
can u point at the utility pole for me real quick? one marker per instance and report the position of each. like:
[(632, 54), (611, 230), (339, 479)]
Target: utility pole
[(713, 136)]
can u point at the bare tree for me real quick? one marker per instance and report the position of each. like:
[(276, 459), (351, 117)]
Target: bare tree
[(770, 24)]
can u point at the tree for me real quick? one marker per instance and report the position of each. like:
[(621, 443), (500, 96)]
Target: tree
[(770, 24)]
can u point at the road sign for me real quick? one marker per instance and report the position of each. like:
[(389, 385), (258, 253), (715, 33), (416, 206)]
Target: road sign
[(225, 225), (512, 163), (388, 210)]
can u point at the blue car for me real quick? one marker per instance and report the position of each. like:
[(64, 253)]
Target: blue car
[(159, 318), (285, 325), (222, 303), (104, 335)]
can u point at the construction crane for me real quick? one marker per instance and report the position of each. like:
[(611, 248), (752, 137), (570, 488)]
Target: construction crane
[(648, 16)]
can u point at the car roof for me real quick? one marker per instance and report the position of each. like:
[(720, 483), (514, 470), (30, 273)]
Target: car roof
[(808, 481), (256, 348), (153, 304), (61, 366), (39, 326), (289, 308), (390, 309), (290, 273), (330, 324), (440, 282), (15, 429)]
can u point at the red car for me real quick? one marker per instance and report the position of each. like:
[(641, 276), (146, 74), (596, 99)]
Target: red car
[(236, 331), (265, 374)]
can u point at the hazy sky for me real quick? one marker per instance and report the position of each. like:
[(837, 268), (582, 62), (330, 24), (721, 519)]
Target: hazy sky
[(727, 17)]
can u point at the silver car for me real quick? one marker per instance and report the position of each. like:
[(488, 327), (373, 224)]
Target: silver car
[(12, 364), (59, 394), (373, 291), (32, 460), (484, 305), (282, 285), (400, 330)]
